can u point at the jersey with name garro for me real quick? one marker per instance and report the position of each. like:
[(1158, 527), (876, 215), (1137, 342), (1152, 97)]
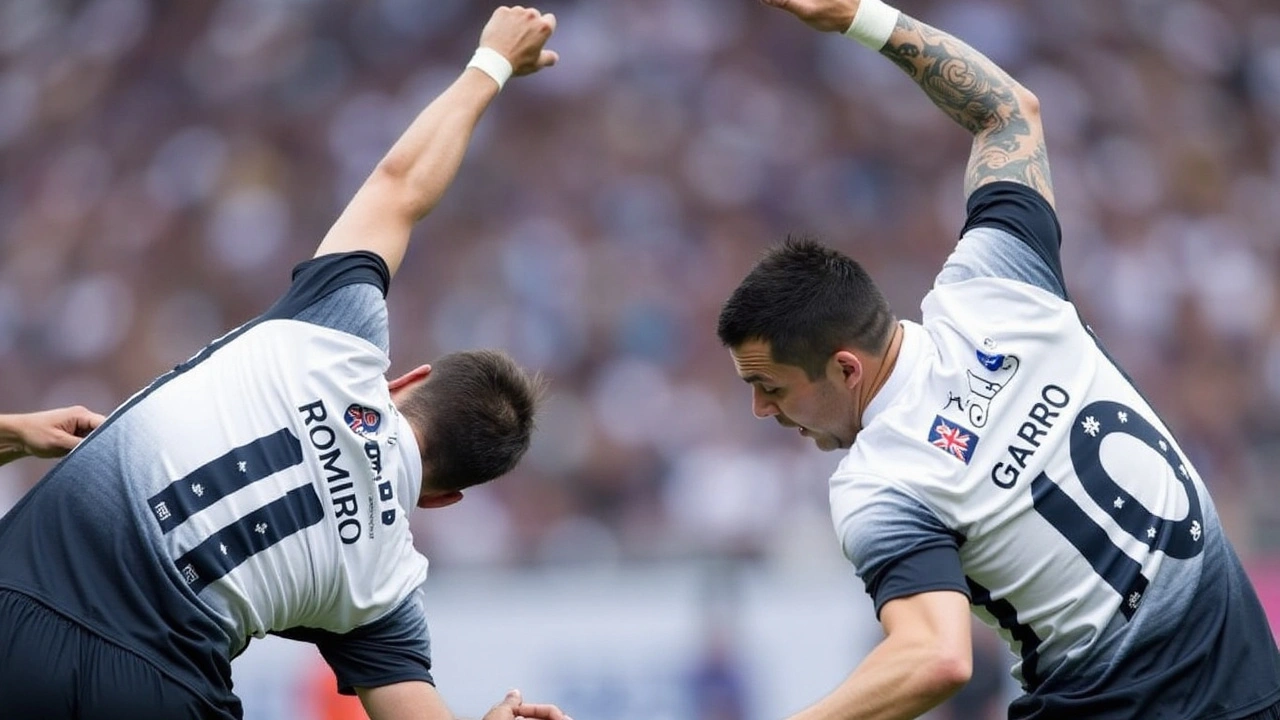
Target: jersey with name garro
[(1008, 458)]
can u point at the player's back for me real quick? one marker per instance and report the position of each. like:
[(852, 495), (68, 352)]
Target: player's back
[(1082, 530), (1091, 541), (260, 487)]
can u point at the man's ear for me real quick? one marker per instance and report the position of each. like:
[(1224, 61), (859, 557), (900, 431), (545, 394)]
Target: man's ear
[(419, 373), (439, 499), (850, 367)]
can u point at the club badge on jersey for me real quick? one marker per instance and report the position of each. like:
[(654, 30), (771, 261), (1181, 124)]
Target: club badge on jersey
[(362, 420), (991, 362), (953, 438)]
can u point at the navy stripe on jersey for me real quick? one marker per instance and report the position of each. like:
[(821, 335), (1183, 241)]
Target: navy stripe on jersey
[(1024, 213), (1110, 562), (223, 476), (1007, 616), (224, 550)]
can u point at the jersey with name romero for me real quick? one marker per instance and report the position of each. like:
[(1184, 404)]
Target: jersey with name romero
[(261, 487)]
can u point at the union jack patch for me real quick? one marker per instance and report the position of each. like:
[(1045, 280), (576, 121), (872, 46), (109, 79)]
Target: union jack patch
[(957, 440)]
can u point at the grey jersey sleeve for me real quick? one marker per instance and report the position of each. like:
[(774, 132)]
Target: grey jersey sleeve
[(988, 252), (344, 292), (898, 546), (1011, 233), (358, 310), (395, 648)]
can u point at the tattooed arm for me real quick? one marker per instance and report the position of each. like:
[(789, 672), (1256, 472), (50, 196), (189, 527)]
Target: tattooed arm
[(1004, 117)]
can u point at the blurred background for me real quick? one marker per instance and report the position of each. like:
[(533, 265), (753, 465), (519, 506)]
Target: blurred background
[(660, 553)]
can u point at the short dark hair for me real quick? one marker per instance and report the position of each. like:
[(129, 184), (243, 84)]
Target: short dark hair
[(807, 301), (476, 412)]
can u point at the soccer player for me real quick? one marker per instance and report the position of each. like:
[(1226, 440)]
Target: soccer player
[(264, 485), (46, 434), (997, 459)]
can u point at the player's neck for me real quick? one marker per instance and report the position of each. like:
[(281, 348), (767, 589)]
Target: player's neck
[(879, 371)]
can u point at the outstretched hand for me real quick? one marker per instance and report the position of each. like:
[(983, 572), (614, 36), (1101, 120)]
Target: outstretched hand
[(520, 33), (823, 15), (513, 707), (47, 434)]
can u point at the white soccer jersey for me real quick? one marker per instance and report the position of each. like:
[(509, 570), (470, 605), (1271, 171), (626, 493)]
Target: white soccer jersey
[(1007, 457), (262, 487), (293, 511)]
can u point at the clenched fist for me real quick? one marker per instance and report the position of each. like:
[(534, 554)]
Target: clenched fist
[(520, 33)]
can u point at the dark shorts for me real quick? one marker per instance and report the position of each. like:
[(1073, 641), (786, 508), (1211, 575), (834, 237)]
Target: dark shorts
[(53, 669), (1271, 713)]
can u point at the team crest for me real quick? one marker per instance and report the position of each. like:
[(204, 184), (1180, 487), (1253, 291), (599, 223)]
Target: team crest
[(956, 440), (363, 420), (998, 371), (992, 362)]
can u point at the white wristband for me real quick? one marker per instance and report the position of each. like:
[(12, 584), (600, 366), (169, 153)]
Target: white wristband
[(492, 63), (873, 23)]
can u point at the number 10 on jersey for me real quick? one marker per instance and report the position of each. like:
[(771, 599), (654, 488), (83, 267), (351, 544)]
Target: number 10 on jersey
[(1180, 539)]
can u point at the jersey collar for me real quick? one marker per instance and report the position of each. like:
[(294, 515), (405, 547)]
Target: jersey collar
[(411, 461), (909, 355)]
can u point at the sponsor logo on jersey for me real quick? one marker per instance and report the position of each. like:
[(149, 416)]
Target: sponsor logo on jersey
[(953, 438), (983, 387), (363, 420), (374, 453), (991, 362)]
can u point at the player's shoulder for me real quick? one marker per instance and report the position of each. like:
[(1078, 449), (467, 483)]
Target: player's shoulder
[(986, 300), (985, 331), (307, 348), (914, 456), (910, 452)]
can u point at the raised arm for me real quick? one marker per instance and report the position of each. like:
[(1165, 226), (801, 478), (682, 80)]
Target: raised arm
[(410, 180), (1004, 117)]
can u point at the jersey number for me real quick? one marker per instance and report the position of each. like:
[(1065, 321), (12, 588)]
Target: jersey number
[(245, 535), (1176, 538)]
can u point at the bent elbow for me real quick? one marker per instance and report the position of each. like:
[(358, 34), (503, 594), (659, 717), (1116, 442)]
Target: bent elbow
[(949, 672), (946, 673), (1028, 103)]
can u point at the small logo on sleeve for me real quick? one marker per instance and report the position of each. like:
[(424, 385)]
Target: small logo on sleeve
[(957, 440), (363, 420)]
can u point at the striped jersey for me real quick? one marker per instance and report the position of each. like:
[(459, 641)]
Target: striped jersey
[(1007, 457), (261, 487)]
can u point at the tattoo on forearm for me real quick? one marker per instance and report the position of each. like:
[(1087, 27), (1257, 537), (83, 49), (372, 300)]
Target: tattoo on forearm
[(978, 95)]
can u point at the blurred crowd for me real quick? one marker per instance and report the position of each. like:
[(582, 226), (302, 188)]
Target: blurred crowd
[(163, 165)]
